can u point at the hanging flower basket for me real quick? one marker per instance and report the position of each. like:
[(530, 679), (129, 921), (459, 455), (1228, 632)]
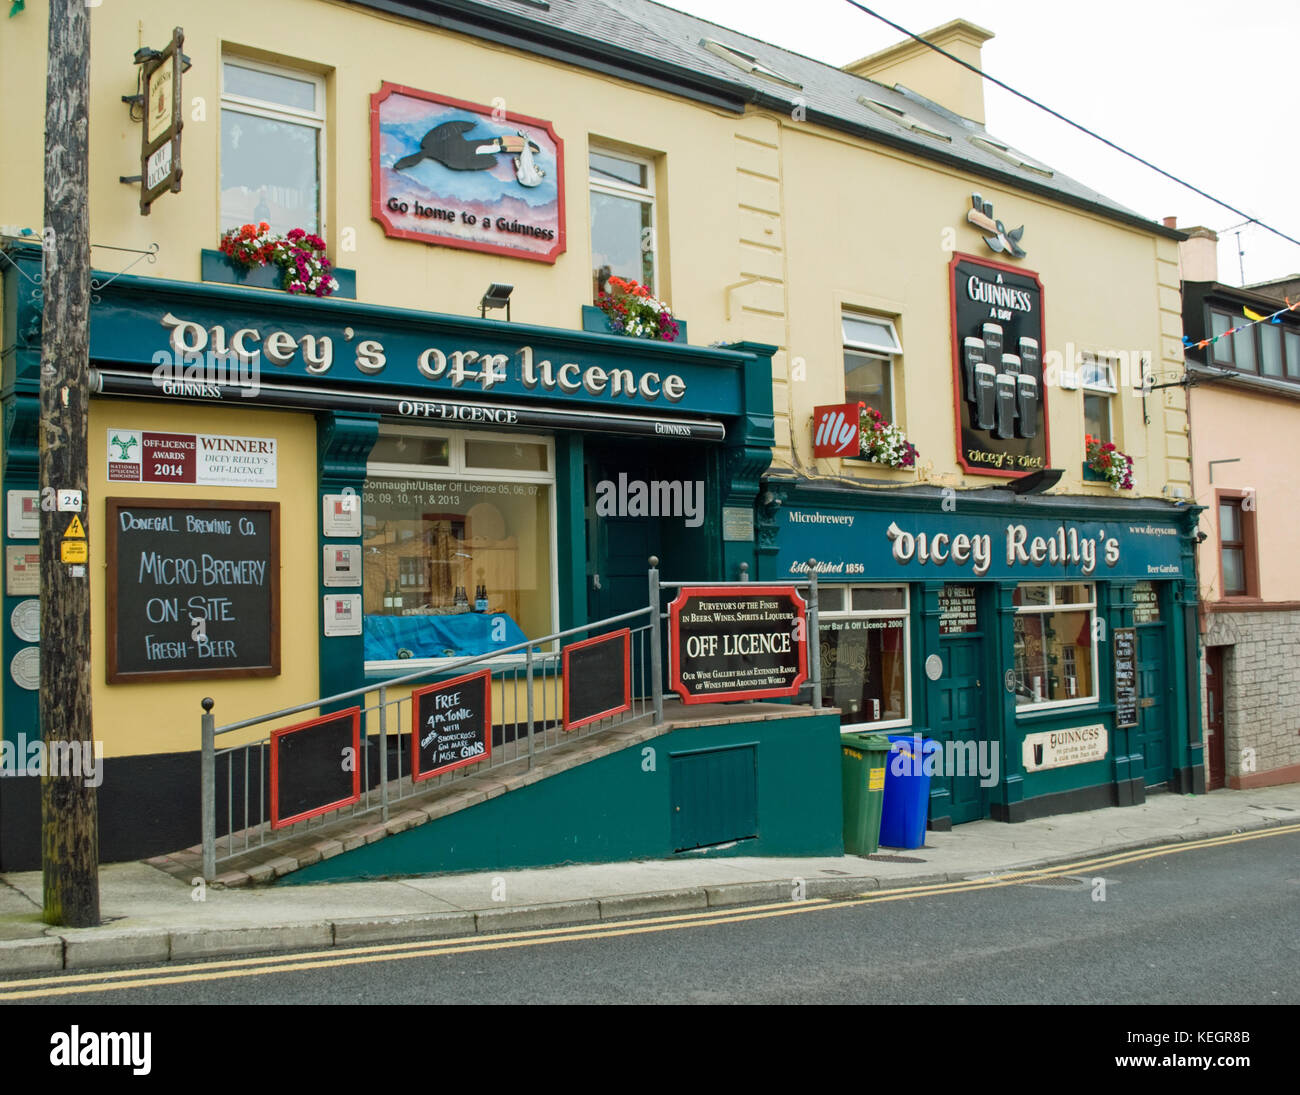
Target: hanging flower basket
[(632, 310), (1114, 467), (299, 254), (884, 442)]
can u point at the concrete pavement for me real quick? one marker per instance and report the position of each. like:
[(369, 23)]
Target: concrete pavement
[(150, 916)]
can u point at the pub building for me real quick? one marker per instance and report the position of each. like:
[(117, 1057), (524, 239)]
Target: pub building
[(297, 487)]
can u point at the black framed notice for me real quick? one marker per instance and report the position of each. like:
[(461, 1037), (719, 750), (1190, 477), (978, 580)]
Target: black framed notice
[(193, 589), (597, 678), (734, 643), (1000, 398), (957, 610), (451, 724), (1124, 640), (315, 767)]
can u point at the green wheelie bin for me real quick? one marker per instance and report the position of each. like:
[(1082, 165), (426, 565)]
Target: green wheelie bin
[(862, 763)]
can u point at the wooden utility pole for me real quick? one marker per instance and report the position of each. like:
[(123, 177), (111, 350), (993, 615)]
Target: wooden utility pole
[(69, 821)]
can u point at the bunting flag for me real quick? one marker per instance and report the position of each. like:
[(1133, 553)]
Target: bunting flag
[(18, 6), (1254, 317)]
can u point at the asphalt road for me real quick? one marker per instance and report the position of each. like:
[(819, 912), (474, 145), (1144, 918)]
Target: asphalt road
[(1217, 925)]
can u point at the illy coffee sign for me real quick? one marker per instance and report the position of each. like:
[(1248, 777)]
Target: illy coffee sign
[(837, 430)]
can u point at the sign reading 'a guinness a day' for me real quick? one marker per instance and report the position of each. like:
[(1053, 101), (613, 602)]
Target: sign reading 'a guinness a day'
[(728, 643), (466, 175), (999, 396)]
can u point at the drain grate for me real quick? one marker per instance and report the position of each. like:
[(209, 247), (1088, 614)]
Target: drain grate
[(1062, 882), (895, 858)]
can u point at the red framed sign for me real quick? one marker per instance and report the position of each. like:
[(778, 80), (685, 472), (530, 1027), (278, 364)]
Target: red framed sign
[(451, 724), (737, 643), (999, 393), (460, 174), (315, 767), (597, 678)]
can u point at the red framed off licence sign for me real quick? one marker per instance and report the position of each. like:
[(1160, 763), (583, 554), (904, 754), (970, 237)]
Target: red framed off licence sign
[(737, 643)]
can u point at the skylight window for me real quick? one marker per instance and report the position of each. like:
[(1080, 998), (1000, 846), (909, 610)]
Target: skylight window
[(903, 118), (1019, 159), (746, 62)]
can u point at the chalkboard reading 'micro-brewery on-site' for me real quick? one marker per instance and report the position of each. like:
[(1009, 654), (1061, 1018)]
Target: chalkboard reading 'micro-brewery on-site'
[(729, 643), (451, 724), (1124, 640), (597, 678), (193, 589)]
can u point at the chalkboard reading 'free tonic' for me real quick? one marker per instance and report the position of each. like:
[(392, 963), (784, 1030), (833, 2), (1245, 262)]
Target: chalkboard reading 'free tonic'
[(452, 724), (193, 589), (728, 643)]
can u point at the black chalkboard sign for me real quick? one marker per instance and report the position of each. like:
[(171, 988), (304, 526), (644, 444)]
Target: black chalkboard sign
[(315, 767), (737, 643), (1126, 692), (452, 724), (193, 589), (597, 678)]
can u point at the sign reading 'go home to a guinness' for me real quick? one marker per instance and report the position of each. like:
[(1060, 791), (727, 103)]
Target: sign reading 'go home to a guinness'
[(999, 396)]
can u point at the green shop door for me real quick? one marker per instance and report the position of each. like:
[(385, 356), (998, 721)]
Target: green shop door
[(961, 719), (714, 796), (1151, 735)]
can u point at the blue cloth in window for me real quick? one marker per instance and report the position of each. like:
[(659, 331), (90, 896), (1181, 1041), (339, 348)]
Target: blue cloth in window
[(439, 636)]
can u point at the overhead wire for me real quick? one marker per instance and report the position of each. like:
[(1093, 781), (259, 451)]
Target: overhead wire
[(1077, 125)]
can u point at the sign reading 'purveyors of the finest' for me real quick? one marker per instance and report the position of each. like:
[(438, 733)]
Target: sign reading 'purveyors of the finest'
[(452, 724), (193, 589), (998, 391), (147, 456), (729, 643), (466, 175)]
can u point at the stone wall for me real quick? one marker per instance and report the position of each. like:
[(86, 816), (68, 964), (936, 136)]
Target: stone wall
[(1261, 699)]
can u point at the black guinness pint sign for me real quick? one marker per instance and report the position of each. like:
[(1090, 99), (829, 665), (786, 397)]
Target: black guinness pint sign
[(734, 643), (1000, 399)]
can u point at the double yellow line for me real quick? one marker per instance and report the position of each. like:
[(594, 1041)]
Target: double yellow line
[(70, 984)]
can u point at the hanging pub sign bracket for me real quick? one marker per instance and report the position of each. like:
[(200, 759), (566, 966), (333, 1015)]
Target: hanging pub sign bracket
[(160, 137)]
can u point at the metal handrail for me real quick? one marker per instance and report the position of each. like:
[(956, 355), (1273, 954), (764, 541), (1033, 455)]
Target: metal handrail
[(446, 667)]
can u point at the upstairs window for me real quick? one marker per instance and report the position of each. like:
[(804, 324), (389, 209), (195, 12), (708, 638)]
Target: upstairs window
[(1097, 379), (1238, 572), (272, 125), (623, 240), (871, 351)]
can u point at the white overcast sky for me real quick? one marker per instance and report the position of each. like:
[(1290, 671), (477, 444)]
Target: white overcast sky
[(1204, 91)]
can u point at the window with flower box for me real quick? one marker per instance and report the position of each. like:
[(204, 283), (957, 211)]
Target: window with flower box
[(1097, 379), (272, 127), (623, 243), (871, 350)]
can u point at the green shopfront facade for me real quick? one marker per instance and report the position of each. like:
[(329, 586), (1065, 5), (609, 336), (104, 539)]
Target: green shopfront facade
[(476, 448), (1048, 643)]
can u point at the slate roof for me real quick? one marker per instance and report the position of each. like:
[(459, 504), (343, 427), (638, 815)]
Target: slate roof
[(648, 43)]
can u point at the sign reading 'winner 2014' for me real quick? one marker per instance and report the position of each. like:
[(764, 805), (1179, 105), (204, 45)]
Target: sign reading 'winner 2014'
[(734, 643)]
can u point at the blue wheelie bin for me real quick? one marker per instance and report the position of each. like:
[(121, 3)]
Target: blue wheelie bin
[(907, 791)]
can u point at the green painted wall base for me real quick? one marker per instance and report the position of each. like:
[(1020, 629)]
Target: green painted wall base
[(620, 807)]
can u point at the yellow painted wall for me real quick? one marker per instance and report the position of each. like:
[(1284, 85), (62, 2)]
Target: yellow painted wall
[(811, 219), (164, 717), (1230, 424)]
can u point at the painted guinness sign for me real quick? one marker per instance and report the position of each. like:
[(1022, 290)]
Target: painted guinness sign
[(1000, 400)]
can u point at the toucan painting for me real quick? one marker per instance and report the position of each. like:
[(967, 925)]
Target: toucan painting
[(448, 145)]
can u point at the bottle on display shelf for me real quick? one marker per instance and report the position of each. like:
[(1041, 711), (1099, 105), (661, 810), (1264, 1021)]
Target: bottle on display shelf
[(480, 598)]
